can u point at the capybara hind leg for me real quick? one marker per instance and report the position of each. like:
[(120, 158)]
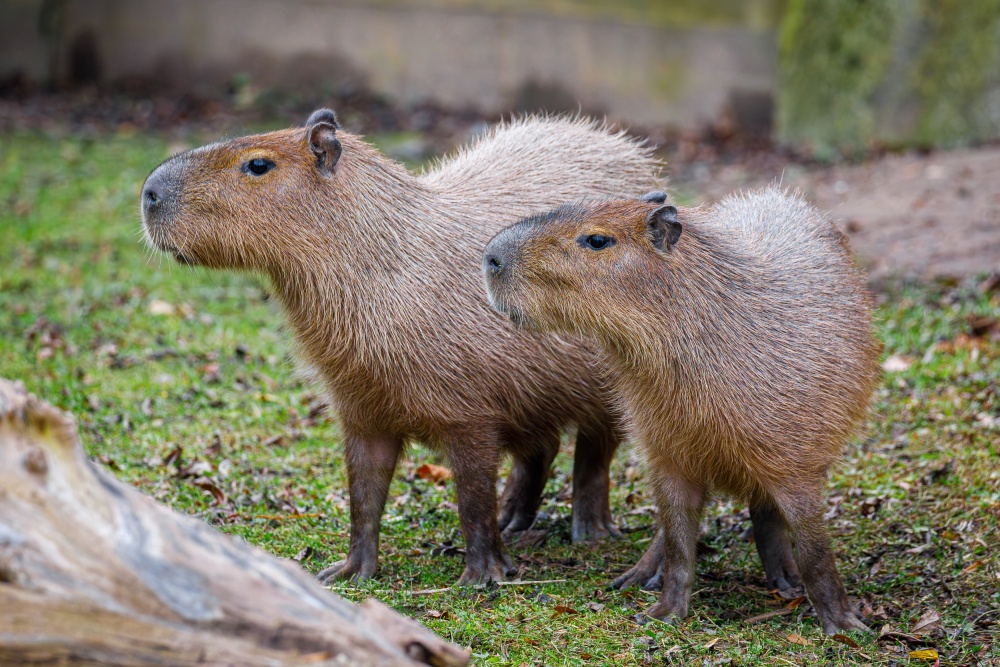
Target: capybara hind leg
[(522, 495), (775, 548), (370, 464), (804, 515), (474, 462), (595, 447), (647, 574)]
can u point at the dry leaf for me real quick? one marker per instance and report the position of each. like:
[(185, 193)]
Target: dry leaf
[(924, 654), (795, 603), (930, 620), (158, 307), (896, 364), (711, 643), (798, 639), (434, 613), (974, 566), (433, 473), (844, 639), (596, 606), (563, 609)]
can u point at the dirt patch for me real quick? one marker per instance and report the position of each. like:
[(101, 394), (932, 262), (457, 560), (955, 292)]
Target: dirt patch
[(920, 216)]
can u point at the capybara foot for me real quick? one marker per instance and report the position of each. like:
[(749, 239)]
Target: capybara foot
[(668, 611), (594, 527), (648, 572), (644, 577), (844, 618), (498, 567), (512, 520), (347, 570)]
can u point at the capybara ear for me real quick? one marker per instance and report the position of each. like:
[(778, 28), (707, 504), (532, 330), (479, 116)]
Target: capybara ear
[(325, 145), (656, 197), (663, 227), (323, 116)]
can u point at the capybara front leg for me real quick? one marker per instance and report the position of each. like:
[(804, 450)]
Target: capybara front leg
[(370, 463), (522, 495), (474, 462), (595, 447), (775, 548), (680, 504), (804, 514)]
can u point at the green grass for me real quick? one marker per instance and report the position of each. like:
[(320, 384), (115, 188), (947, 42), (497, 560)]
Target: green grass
[(181, 385)]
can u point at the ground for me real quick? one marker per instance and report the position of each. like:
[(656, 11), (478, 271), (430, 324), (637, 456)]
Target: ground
[(910, 215), (181, 383)]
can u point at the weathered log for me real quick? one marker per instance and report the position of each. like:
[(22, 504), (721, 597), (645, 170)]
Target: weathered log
[(94, 573)]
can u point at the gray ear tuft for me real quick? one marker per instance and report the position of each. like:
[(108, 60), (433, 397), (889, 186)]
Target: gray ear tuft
[(656, 197), (325, 145), (323, 116), (663, 227)]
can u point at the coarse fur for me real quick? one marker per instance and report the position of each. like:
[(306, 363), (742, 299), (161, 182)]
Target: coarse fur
[(743, 353), (377, 270)]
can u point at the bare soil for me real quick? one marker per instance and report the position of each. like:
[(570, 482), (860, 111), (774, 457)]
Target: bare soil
[(923, 216)]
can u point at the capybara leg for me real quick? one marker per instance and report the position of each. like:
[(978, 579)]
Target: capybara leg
[(648, 572), (595, 447), (370, 464), (474, 464), (680, 504), (522, 495), (804, 515), (775, 548)]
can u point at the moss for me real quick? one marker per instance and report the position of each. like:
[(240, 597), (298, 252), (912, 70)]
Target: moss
[(956, 71), (832, 55)]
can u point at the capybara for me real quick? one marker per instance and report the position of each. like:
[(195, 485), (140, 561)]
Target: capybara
[(741, 345), (377, 270)]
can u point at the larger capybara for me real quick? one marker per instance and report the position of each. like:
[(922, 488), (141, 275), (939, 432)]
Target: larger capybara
[(741, 344), (377, 270)]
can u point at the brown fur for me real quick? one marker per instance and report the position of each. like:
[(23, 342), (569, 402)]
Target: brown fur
[(743, 354), (378, 273)]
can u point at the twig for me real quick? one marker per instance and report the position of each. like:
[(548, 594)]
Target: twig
[(434, 591), (770, 614), (530, 583)]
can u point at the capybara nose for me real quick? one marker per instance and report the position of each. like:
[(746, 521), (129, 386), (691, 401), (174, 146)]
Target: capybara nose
[(160, 190), (492, 264), (149, 197)]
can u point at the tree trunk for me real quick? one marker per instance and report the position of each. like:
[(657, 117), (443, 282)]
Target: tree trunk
[(94, 573)]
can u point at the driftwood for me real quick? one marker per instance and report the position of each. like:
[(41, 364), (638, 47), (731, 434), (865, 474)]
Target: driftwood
[(94, 573)]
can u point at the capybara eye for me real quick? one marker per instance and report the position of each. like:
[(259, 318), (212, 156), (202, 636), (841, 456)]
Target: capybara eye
[(596, 241), (258, 166)]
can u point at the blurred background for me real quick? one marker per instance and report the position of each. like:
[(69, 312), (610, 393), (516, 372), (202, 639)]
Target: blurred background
[(734, 93)]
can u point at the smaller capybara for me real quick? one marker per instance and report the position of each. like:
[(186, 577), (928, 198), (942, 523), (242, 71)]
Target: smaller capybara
[(377, 271), (742, 349)]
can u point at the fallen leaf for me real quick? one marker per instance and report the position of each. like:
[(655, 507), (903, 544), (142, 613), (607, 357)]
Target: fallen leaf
[(433, 473), (159, 307), (844, 639), (586, 656), (798, 639), (303, 554), (434, 613), (796, 602), (711, 643), (896, 364), (563, 609), (596, 606), (974, 566), (930, 620), (210, 486), (924, 654)]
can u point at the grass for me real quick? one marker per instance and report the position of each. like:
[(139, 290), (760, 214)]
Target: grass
[(181, 385)]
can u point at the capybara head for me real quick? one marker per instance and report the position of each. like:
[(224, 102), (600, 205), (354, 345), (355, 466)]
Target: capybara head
[(570, 270), (237, 204)]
